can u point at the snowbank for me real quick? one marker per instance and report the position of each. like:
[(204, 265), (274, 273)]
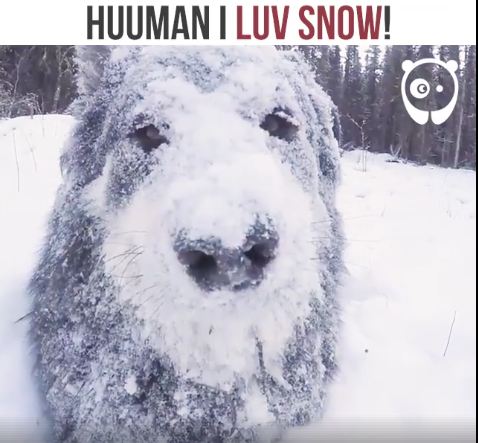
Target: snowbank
[(411, 255), (29, 176)]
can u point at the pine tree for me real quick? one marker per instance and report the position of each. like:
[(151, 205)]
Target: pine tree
[(318, 59), (352, 101), (373, 72), (336, 76), (444, 136), (468, 156), (394, 122), (422, 138)]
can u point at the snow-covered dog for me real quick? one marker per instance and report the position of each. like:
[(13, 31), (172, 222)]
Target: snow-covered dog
[(186, 289)]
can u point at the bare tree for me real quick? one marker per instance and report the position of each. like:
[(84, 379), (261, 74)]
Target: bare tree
[(459, 129), (37, 78), (363, 140)]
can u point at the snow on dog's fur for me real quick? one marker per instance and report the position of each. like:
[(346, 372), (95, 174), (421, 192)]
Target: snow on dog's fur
[(178, 147)]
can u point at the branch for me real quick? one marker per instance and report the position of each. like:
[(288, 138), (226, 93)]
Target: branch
[(449, 334)]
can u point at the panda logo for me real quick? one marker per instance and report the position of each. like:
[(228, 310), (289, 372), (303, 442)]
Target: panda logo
[(427, 91)]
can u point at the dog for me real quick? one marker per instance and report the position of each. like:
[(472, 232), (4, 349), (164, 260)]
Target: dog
[(186, 288)]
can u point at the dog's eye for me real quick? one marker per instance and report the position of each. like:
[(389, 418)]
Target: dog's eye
[(149, 138), (280, 125)]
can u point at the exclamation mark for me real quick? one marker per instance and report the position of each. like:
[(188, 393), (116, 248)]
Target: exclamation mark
[(387, 22)]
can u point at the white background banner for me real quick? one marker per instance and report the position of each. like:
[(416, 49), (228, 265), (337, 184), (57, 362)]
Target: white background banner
[(406, 22)]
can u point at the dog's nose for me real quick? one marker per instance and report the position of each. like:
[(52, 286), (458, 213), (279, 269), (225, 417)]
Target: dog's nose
[(213, 266)]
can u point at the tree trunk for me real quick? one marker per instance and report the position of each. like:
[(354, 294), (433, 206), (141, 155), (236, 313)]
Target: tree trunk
[(459, 129)]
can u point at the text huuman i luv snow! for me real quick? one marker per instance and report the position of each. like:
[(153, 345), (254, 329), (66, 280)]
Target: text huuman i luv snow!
[(238, 23)]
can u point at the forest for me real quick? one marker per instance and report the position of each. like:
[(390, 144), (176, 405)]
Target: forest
[(364, 83)]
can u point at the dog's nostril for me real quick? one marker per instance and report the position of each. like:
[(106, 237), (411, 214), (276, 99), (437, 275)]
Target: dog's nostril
[(198, 262), (261, 254)]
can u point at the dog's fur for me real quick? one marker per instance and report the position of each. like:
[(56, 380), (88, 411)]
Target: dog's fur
[(105, 372)]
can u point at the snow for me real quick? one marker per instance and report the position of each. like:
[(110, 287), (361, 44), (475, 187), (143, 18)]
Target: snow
[(130, 386), (411, 257), (29, 176)]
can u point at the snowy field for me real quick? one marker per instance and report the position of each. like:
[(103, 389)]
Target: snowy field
[(407, 351)]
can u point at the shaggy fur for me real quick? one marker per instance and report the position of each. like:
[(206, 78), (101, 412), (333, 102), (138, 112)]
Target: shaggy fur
[(101, 376)]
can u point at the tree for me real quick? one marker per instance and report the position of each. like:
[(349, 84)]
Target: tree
[(37, 78), (373, 72), (422, 136), (468, 150), (394, 125), (335, 77), (445, 135), (352, 101)]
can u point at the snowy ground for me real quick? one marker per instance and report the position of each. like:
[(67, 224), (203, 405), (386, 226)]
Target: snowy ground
[(411, 288)]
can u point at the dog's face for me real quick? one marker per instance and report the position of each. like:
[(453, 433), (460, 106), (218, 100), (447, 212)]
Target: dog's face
[(215, 205)]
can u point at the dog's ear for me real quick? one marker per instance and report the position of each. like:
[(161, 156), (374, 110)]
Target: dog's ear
[(91, 61)]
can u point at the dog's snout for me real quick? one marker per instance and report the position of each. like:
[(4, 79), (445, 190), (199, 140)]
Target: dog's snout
[(213, 266)]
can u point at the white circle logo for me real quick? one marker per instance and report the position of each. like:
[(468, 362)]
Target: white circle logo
[(421, 88)]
